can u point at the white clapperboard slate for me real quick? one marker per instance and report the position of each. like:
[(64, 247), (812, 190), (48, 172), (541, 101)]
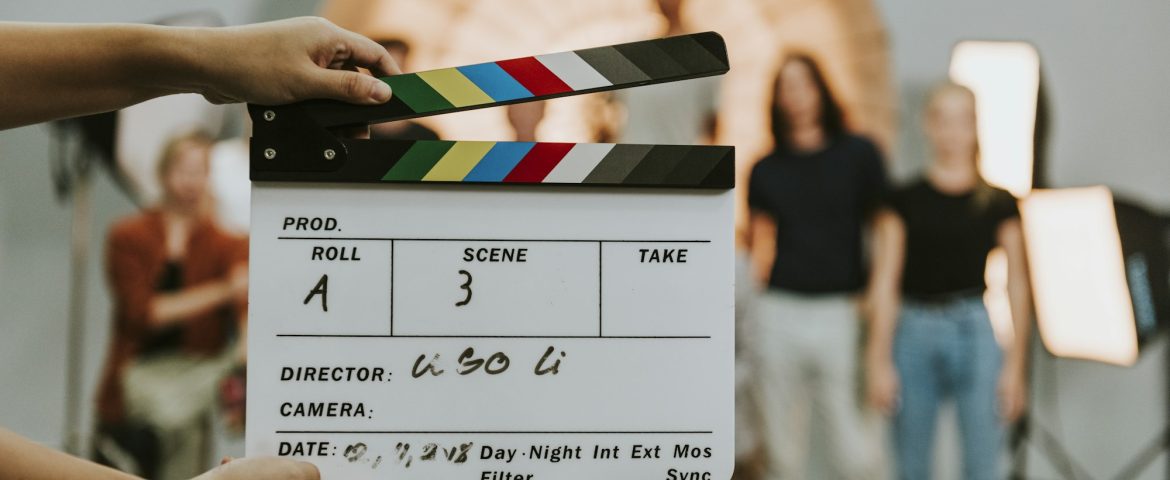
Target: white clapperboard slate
[(493, 310)]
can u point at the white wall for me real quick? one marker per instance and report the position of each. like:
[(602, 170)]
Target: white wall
[(34, 234), (1106, 68)]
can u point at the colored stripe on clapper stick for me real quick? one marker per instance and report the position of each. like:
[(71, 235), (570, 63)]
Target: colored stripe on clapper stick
[(561, 163)]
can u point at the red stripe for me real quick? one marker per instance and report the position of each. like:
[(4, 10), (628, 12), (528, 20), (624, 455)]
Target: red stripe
[(538, 162), (534, 76)]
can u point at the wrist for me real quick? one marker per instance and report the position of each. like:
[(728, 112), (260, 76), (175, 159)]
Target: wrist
[(1015, 366), (173, 59), (877, 352), (878, 359)]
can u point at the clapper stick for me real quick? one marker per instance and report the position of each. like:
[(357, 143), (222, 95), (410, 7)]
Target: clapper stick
[(294, 142)]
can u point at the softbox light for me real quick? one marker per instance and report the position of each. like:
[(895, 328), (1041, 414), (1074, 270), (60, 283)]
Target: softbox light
[(1083, 304)]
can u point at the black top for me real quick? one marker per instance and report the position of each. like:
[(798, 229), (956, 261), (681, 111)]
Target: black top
[(169, 338), (820, 202), (948, 237)]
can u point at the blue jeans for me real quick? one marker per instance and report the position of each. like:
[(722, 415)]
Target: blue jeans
[(947, 350)]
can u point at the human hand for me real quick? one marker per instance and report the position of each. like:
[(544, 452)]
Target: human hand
[(262, 468), (882, 385), (1012, 394), (290, 60)]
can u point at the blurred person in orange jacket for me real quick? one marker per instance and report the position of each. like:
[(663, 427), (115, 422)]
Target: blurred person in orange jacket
[(180, 294)]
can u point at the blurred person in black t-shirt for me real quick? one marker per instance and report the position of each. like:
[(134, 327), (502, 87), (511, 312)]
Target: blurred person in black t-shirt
[(810, 201), (931, 338)]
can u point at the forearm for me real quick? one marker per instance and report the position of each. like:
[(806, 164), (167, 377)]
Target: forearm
[(762, 238), (56, 71), (1019, 297), (171, 308), (762, 260), (25, 460), (883, 319), (71, 70), (883, 299)]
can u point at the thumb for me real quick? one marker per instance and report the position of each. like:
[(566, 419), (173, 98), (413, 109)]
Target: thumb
[(348, 86)]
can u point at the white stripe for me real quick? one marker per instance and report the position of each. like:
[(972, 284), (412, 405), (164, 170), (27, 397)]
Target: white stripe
[(573, 71), (577, 164)]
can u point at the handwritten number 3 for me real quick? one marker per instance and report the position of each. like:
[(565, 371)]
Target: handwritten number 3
[(466, 286)]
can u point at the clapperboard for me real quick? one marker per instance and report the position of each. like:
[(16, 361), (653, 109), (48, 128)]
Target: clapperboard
[(493, 310)]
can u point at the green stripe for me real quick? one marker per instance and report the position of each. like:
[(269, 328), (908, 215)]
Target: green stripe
[(416, 93), (417, 161)]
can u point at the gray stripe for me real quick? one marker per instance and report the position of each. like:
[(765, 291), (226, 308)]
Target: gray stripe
[(618, 164)]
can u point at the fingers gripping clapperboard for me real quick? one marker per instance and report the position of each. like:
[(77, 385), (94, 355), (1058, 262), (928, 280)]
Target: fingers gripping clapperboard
[(493, 310)]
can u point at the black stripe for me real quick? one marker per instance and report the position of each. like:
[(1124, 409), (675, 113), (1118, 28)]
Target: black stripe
[(651, 59), (723, 174), (657, 164), (396, 104), (612, 65), (690, 54), (617, 164), (697, 165), (713, 43)]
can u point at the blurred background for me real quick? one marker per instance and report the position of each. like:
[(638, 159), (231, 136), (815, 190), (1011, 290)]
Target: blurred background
[(1086, 106)]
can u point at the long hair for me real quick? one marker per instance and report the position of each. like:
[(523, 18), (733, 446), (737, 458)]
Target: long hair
[(984, 192), (832, 117)]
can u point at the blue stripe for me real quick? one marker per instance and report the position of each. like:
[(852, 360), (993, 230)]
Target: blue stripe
[(494, 81), (500, 160)]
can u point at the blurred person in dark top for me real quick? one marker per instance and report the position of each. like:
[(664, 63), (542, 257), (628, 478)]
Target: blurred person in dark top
[(399, 50), (931, 338), (810, 200), (179, 287)]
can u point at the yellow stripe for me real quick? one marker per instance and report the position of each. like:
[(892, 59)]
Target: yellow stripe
[(455, 87), (459, 160)]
